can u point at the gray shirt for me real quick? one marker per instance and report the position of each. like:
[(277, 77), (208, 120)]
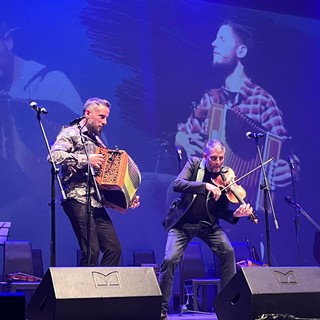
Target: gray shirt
[(68, 151)]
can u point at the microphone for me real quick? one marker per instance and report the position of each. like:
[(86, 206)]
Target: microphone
[(112, 154), (251, 135), (179, 152), (288, 199), (291, 161), (34, 106), (76, 121)]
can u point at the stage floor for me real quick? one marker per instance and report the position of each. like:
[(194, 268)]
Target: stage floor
[(192, 316)]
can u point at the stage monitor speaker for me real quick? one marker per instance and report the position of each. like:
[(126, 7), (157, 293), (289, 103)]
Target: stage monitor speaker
[(12, 305), (84, 293), (255, 291)]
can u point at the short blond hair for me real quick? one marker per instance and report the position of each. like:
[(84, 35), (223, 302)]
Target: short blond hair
[(95, 101), (214, 143)]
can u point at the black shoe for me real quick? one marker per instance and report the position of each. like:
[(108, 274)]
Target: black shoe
[(164, 315)]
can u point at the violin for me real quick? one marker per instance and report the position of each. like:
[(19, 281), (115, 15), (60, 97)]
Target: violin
[(234, 192), (19, 276)]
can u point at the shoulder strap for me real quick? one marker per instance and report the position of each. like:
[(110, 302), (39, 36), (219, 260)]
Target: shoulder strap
[(200, 174)]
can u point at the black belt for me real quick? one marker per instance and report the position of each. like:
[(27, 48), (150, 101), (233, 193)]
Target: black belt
[(205, 224)]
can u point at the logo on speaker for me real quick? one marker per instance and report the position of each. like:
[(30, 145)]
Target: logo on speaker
[(286, 278), (106, 280)]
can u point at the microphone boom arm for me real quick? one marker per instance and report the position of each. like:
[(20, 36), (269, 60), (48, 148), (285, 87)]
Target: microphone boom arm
[(290, 201)]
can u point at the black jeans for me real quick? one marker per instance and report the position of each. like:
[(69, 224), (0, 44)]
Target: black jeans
[(102, 234), (178, 240)]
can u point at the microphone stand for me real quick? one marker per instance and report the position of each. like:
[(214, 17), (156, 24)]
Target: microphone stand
[(267, 199), (296, 216), (182, 305), (91, 175), (52, 203)]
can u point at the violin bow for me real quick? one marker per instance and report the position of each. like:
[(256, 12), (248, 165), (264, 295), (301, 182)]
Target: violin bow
[(246, 174)]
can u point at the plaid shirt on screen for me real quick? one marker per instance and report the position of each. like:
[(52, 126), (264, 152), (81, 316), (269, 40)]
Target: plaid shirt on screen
[(252, 101)]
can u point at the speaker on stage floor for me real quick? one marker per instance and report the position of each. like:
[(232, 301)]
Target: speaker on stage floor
[(84, 293), (255, 291)]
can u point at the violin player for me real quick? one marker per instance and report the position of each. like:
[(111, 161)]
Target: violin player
[(196, 213)]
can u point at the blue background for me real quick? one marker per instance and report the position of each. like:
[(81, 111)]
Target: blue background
[(151, 59)]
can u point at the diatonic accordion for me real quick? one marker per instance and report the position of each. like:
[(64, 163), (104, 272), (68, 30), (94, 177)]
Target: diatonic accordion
[(118, 179)]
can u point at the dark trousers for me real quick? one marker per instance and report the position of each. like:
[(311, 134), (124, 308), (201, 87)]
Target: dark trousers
[(102, 234), (177, 242)]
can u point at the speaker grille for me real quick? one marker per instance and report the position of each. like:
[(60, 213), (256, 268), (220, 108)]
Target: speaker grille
[(97, 293), (285, 290)]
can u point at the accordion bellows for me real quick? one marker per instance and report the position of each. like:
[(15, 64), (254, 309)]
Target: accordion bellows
[(118, 179), (230, 127)]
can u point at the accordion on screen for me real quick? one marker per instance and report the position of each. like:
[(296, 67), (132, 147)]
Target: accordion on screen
[(118, 179), (230, 127)]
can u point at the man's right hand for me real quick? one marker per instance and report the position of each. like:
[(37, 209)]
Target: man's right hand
[(96, 160), (244, 210), (216, 192)]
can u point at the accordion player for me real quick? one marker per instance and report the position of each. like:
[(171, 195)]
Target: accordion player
[(118, 179)]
